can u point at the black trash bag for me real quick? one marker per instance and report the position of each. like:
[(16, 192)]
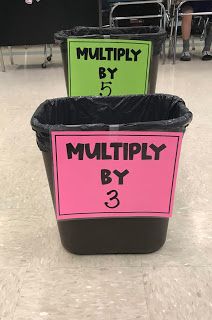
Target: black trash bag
[(150, 33), (158, 112)]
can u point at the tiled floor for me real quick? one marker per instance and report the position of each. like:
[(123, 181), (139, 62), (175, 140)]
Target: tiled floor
[(39, 279)]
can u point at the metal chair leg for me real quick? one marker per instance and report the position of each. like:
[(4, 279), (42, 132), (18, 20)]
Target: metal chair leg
[(171, 39), (2, 60), (204, 33), (193, 43), (175, 38), (49, 58), (51, 46), (164, 19), (164, 52), (45, 57), (11, 55)]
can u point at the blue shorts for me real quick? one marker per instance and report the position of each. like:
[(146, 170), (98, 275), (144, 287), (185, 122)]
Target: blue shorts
[(199, 6)]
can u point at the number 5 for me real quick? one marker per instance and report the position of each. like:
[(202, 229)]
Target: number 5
[(106, 87)]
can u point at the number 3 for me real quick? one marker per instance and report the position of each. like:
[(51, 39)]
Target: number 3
[(114, 197)]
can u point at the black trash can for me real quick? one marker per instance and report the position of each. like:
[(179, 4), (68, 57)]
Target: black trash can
[(154, 34), (98, 117)]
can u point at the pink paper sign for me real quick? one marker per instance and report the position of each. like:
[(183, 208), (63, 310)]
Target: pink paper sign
[(115, 173)]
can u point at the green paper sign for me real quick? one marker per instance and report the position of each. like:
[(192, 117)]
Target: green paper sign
[(108, 67)]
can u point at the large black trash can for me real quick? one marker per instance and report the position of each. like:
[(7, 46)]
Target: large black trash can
[(157, 113), (155, 35)]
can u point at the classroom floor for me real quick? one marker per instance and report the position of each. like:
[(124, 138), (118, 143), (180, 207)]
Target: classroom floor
[(39, 280)]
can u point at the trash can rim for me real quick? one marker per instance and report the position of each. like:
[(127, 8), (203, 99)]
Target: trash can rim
[(61, 35), (46, 128)]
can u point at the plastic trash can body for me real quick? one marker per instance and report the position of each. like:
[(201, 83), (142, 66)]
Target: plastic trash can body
[(154, 34), (101, 236), (109, 235)]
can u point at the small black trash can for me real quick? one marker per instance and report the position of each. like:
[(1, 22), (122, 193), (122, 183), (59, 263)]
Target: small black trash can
[(154, 34), (111, 230)]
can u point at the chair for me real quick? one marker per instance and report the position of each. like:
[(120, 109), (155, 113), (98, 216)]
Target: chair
[(146, 9), (138, 11), (176, 14)]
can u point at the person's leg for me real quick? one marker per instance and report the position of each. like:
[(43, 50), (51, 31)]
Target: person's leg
[(205, 6), (186, 32), (206, 53)]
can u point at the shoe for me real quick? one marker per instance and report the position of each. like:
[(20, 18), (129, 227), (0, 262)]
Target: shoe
[(185, 56), (206, 55)]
